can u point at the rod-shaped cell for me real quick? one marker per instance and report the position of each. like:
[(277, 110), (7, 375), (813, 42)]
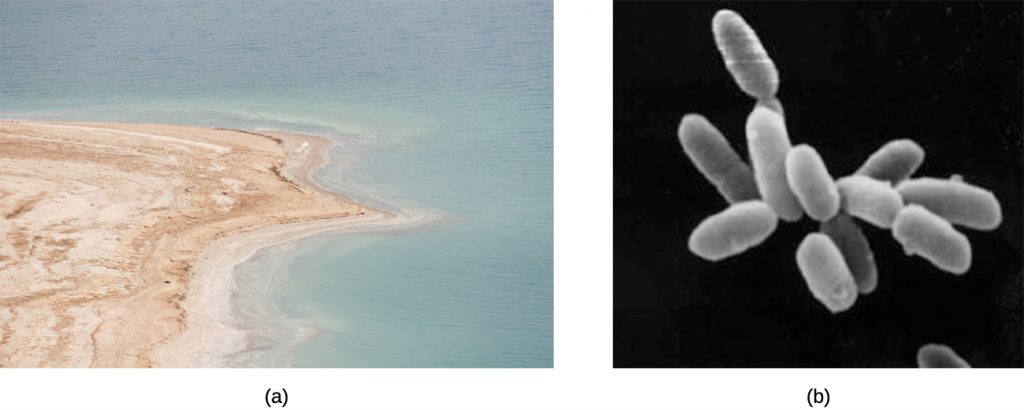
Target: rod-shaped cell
[(739, 227), (711, 153), (811, 183), (895, 161), (825, 271), (856, 251), (934, 355), (874, 201), (924, 233), (956, 201), (745, 57), (768, 144)]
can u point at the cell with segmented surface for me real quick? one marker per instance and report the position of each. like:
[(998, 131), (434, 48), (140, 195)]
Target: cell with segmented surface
[(711, 153), (744, 55), (739, 227), (956, 201), (895, 161), (826, 273), (923, 233), (768, 143), (847, 236), (810, 181), (869, 199)]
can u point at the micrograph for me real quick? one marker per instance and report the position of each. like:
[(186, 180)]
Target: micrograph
[(818, 184)]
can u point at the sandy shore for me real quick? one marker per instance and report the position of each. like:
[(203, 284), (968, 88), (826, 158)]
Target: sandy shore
[(120, 239)]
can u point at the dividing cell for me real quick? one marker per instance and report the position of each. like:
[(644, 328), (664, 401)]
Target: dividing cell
[(772, 104)]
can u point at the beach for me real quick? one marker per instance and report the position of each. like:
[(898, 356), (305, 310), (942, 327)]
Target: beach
[(119, 240)]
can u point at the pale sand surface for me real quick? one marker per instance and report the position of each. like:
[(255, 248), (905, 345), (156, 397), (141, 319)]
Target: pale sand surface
[(119, 240)]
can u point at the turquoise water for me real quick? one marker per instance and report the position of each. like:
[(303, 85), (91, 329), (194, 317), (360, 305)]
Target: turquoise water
[(437, 106)]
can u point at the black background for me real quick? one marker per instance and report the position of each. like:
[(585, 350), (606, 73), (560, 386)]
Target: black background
[(853, 76)]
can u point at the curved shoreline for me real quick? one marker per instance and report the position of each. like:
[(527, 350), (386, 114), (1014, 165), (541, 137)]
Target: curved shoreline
[(209, 339), (169, 212)]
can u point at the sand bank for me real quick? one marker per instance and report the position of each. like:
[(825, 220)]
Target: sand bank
[(119, 239)]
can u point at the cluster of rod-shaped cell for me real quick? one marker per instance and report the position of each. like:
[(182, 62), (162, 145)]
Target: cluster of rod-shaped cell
[(786, 182)]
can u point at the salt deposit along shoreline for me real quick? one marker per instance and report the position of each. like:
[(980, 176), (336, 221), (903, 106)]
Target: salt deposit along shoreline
[(121, 240)]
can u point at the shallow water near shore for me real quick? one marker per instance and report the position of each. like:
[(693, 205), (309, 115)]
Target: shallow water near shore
[(439, 107)]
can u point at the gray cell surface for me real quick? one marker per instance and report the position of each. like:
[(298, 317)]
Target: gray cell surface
[(933, 238), (824, 269), (744, 55), (810, 181), (871, 200), (711, 153), (847, 236), (956, 201), (739, 227), (768, 144), (895, 161), (935, 355)]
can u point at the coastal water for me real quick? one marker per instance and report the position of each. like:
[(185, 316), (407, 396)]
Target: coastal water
[(442, 107)]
